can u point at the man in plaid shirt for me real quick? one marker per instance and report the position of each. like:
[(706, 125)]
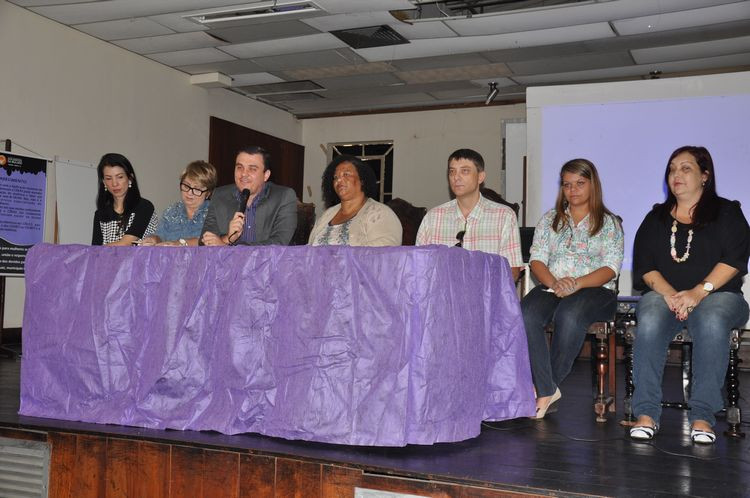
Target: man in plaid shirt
[(470, 220)]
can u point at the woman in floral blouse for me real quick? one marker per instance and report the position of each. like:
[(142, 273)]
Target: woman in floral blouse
[(576, 256), (181, 223)]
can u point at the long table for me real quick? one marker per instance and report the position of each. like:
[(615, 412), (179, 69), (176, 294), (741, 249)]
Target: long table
[(360, 346)]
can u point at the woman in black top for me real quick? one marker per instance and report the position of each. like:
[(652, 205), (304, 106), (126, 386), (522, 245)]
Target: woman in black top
[(690, 255), (122, 216)]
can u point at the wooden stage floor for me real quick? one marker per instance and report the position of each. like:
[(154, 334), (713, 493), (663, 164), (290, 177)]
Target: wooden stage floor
[(566, 454)]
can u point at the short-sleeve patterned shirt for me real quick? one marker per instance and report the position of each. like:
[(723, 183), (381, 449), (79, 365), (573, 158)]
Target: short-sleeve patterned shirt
[(572, 252), (175, 224), (490, 227)]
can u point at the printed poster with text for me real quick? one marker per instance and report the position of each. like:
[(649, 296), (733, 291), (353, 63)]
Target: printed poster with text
[(23, 187)]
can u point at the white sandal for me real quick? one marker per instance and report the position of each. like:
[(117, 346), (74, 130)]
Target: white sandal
[(702, 437), (643, 432)]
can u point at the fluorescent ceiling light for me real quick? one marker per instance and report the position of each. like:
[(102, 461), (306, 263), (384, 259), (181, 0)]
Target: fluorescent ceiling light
[(256, 11)]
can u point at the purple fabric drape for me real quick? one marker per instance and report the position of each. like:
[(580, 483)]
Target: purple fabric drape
[(362, 346)]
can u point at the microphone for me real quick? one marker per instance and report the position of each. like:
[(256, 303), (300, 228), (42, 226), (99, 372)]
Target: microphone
[(243, 200)]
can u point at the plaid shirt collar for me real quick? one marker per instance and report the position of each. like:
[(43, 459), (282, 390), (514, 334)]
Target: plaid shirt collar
[(476, 211)]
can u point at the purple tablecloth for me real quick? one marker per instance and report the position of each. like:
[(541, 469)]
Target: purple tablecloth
[(364, 346)]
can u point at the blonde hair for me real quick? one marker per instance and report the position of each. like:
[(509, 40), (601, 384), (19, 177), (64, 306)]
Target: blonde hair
[(203, 172), (597, 209)]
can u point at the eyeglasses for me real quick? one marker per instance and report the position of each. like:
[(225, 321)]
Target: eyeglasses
[(196, 191), (460, 237)]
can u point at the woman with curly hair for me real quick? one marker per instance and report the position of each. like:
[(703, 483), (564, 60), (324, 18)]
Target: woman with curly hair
[(353, 217)]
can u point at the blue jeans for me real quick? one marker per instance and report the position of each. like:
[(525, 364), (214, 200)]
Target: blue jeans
[(709, 326), (572, 316)]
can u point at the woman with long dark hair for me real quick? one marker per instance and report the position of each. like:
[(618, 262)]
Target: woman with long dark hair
[(576, 257), (689, 257), (122, 216)]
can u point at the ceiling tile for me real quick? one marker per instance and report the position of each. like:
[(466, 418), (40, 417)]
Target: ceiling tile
[(126, 28), (358, 81), (38, 3), (295, 45), (642, 70), (398, 89), (454, 73), (320, 58), (439, 62), (261, 32), (578, 62), (576, 76), (684, 19), (692, 50), (473, 93), (623, 43), (501, 82), (568, 15), (291, 97), (739, 62), (467, 44), (230, 68), (177, 23), (422, 30), (344, 6), (282, 87), (480, 94), (169, 43), (314, 73), (254, 79), (186, 57)]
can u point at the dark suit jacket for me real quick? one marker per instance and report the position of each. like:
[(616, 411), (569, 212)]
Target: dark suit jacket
[(275, 216)]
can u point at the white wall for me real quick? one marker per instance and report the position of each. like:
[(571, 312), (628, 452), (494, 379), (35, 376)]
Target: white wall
[(68, 94), (422, 143)]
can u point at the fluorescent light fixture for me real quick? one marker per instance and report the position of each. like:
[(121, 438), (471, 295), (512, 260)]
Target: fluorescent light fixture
[(256, 11)]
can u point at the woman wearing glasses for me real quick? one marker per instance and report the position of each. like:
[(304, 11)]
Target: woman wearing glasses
[(576, 256), (181, 223), (354, 217), (122, 216)]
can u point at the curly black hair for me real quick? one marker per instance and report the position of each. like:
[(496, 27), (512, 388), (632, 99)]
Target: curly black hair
[(366, 178)]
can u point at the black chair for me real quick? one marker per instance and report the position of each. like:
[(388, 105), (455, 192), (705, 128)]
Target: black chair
[(683, 339)]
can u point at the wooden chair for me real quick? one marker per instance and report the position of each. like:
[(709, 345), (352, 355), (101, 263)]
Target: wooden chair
[(604, 379), (495, 197), (683, 339), (603, 353), (305, 222), (410, 217)]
